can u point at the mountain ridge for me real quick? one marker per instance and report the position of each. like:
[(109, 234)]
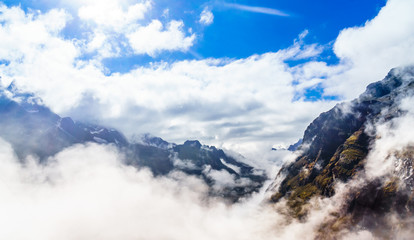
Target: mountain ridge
[(335, 149), (34, 130)]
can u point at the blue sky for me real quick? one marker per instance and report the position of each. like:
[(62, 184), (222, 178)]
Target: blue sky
[(242, 75), (239, 33)]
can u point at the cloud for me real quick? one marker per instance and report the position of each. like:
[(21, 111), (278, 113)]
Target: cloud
[(111, 21), (206, 17), (264, 10), (368, 52), (198, 99), (110, 14), (120, 28), (151, 39), (86, 192), (16, 25), (245, 105), (393, 139)]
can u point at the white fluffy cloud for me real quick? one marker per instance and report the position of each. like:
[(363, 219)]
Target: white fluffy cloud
[(206, 17), (153, 38), (370, 51), (111, 20), (109, 13), (23, 34)]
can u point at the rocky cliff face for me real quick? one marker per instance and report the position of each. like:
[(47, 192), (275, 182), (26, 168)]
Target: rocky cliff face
[(336, 147)]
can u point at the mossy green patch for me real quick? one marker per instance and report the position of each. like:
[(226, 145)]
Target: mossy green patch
[(299, 199), (391, 187), (351, 155), (306, 192), (323, 181)]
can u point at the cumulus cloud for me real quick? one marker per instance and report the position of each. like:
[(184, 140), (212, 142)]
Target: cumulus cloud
[(369, 51), (43, 29), (110, 14), (119, 28), (206, 17), (152, 39)]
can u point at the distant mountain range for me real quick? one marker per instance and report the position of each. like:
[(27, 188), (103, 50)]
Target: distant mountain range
[(33, 129), (292, 147), (335, 149)]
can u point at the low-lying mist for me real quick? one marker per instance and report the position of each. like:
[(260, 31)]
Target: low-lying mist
[(85, 192)]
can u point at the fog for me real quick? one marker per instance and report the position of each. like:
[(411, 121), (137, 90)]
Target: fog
[(392, 137), (85, 192)]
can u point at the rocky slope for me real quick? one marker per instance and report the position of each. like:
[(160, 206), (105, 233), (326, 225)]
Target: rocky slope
[(335, 149), (34, 130)]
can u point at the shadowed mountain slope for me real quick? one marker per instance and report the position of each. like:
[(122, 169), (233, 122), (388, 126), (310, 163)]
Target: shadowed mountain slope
[(335, 149)]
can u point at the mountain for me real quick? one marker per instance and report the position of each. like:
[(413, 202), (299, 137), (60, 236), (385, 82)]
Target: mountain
[(33, 129), (295, 146), (154, 141), (335, 149), (292, 147), (199, 160)]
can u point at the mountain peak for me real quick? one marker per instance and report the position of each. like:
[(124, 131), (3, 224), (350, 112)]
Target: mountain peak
[(154, 141), (396, 78), (193, 143)]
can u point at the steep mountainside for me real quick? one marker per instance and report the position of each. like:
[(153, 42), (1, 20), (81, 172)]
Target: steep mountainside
[(335, 149), (34, 130)]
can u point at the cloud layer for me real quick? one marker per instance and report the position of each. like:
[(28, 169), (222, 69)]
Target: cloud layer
[(86, 192), (246, 105)]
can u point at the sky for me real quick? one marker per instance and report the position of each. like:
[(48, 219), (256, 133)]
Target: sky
[(242, 75)]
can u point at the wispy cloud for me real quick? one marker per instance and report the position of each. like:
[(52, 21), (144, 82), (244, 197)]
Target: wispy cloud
[(264, 10)]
